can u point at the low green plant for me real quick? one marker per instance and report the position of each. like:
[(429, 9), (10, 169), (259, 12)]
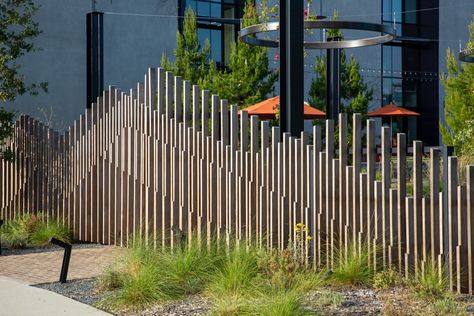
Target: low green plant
[(13, 235), (33, 229), (387, 279), (446, 306), (110, 280), (237, 274), (354, 267), (45, 230), (234, 278), (428, 282), (329, 298), (145, 276), (278, 303), (231, 305)]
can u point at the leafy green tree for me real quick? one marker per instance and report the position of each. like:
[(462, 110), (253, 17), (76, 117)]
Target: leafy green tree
[(6, 131), (459, 102), (248, 78), (17, 32), (191, 60)]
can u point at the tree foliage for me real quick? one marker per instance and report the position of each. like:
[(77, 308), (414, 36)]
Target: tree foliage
[(247, 78), (191, 60), (6, 131), (459, 101), (17, 32)]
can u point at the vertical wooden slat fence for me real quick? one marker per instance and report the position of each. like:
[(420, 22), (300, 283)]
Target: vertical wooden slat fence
[(167, 159)]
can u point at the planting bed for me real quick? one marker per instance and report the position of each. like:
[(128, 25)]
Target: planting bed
[(325, 301)]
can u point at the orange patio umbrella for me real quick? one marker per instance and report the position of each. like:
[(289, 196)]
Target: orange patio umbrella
[(391, 110), (267, 109)]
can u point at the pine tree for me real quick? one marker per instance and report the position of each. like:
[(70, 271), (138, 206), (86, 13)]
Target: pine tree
[(248, 78), (459, 101), (191, 60)]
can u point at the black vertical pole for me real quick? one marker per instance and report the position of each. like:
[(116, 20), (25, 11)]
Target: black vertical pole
[(283, 45), (294, 59), (95, 56), (333, 81)]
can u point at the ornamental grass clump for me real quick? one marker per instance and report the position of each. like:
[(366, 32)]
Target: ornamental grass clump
[(353, 267), (237, 274), (278, 303), (33, 230), (145, 276), (430, 280)]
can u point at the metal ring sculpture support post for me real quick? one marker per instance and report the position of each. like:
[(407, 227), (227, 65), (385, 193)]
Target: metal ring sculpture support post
[(467, 55), (388, 34), (67, 256)]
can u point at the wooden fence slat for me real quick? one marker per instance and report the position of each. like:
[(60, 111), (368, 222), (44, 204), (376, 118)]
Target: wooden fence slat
[(167, 159)]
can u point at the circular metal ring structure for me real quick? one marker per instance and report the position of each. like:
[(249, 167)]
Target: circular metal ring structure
[(388, 34), (467, 55)]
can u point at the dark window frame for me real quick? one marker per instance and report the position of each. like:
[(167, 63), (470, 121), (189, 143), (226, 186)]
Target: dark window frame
[(211, 23)]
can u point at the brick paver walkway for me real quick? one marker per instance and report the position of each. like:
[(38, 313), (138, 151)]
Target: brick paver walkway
[(45, 267)]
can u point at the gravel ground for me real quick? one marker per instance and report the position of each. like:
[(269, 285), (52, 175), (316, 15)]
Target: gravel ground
[(350, 301), (83, 290), (191, 306), (27, 250), (326, 301)]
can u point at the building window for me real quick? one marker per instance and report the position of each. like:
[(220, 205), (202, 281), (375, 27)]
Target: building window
[(217, 22), (399, 12)]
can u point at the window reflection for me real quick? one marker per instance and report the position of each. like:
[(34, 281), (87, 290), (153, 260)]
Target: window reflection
[(211, 26)]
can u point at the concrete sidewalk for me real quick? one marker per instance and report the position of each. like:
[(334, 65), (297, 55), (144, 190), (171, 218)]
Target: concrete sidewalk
[(20, 299)]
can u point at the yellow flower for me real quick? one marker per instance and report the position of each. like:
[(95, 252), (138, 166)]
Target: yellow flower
[(305, 229), (309, 237), (300, 225), (297, 229)]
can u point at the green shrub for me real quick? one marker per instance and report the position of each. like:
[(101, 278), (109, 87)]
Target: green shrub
[(189, 270), (238, 273), (278, 303), (428, 282), (353, 268), (145, 275), (446, 306), (235, 279), (231, 305), (43, 231), (13, 235), (110, 280), (279, 268), (329, 298), (33, 229), (387, 279)]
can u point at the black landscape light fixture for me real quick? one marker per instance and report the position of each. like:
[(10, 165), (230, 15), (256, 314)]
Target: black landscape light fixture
[(291, 52), (67, 256), (1, 224), (467, 55)]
